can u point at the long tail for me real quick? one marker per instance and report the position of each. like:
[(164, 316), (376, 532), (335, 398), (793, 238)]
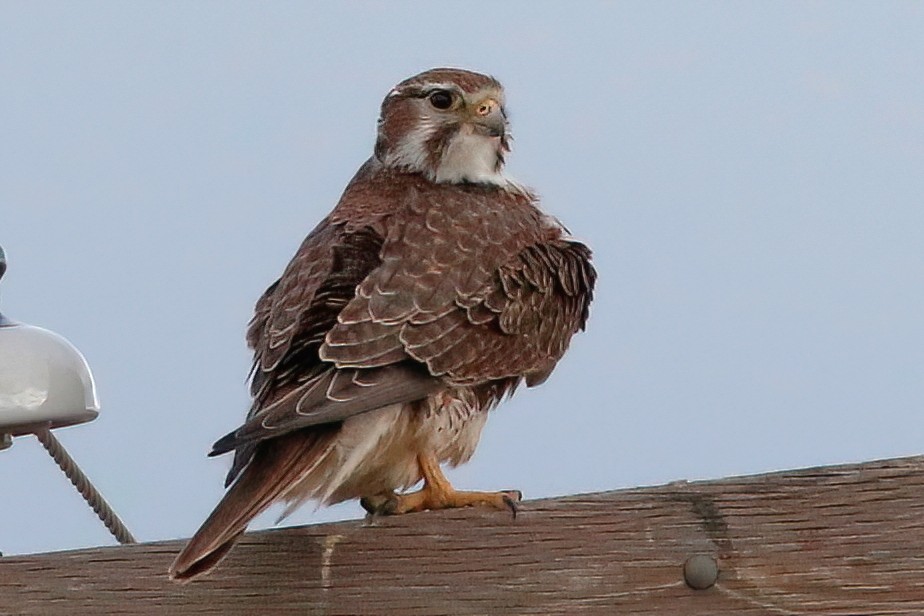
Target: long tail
[(277, 465)]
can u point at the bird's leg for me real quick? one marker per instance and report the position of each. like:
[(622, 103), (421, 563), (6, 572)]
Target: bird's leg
[(437, 493)]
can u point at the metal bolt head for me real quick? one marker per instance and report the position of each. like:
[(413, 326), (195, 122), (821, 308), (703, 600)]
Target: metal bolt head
[(700, 572)]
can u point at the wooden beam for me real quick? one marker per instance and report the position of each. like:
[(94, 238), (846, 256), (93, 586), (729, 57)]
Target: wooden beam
[(831, 540)]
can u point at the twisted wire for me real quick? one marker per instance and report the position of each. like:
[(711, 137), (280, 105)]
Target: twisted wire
[(80, 481)]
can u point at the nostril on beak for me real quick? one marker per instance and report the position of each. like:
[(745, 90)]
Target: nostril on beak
[(489, 117), (486, 107)]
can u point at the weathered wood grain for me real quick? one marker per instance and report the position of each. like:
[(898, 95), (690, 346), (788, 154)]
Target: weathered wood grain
[(832, 540)]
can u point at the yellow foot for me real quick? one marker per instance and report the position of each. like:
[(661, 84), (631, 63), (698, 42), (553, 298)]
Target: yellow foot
[(444, 497), (437, 493)]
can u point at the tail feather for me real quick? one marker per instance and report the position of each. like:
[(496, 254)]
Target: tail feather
[(276, 466)]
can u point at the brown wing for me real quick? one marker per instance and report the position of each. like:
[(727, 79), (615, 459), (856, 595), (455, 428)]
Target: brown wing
[(293, 315), (471, 285), (291, 386), (518, 325), (477, 288)]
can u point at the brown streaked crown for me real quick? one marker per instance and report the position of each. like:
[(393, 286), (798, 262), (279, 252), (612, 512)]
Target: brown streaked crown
[(468, 81)]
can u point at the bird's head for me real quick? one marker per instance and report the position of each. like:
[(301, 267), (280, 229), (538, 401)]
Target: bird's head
[(448, 124)]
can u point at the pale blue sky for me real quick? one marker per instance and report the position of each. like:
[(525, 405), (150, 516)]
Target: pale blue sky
[(748, 174)]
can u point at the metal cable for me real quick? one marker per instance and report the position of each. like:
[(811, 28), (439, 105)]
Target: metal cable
[(83, 485)]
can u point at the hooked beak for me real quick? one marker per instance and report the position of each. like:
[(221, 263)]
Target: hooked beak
[(489, 118)]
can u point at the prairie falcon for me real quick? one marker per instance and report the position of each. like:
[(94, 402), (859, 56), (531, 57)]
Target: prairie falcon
[(433, 289)]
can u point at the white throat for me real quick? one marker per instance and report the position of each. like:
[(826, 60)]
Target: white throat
[(470, 157)]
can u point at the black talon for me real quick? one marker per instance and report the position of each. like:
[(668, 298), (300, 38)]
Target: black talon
[(366, 504), (512, 504), (379, 504)]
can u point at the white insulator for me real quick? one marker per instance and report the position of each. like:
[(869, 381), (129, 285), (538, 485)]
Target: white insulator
[(44, 381)]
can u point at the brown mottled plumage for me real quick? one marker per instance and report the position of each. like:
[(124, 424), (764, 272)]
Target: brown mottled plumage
[(433, 289)]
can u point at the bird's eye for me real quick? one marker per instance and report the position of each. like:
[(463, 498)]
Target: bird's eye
[(441, 99)]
